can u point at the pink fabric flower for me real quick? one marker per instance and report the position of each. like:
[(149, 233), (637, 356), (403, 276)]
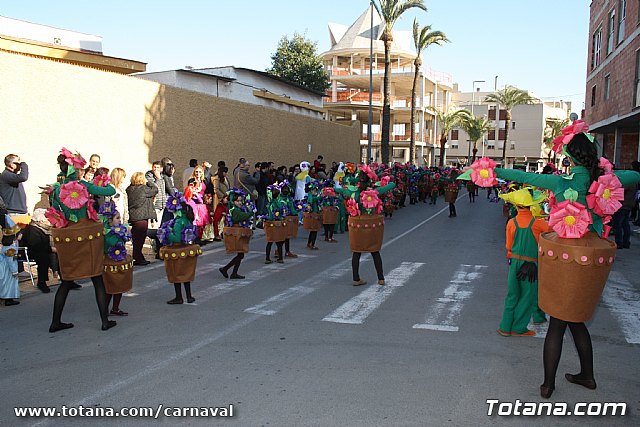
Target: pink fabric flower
[(102, 180), (66, 153), (606, 165), (385, 180), (371, 174), (606, 229), (74, 195), (91, 212), (483, 174), (370, 199), (328, 192), (577, 126), (352, 207), (606, 194), (570, 220), (56, 218)]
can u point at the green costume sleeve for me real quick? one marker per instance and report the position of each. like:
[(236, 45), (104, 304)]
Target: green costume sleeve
[(549, 182), (237, 215), (110, 239), (390, 186), (345, 192), (99, 191), (628, 178), (176, 231)]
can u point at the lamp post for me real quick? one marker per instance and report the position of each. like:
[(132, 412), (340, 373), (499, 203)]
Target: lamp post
[(369, 142), (473, 93)]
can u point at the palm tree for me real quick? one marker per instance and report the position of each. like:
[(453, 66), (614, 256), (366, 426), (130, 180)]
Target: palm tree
[(422, 38), (509, 97), (553, 129), (476, 128), (447, 121), (391, 10)]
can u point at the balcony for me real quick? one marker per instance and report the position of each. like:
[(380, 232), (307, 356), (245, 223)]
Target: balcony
[(360, 97)]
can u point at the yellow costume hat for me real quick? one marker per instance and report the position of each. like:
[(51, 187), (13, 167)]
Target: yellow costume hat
[(524, 197)]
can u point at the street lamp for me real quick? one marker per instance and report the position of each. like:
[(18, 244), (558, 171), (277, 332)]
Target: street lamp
[(369, 142)]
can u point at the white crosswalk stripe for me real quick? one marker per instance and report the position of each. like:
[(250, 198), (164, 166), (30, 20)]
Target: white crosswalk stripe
[(445, 314), (358, 308)]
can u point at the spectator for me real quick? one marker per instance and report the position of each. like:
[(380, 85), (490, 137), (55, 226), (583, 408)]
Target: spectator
[(155, 177), (186, 174), (261, 187), (221, 185), (120, 198), (246, 181), (36, 237), (94, 162), (236, 181), (141, 209), (168, 170), (317, 162), (16, 172)]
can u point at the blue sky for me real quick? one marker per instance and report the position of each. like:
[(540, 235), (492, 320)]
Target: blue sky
[(538, 45)]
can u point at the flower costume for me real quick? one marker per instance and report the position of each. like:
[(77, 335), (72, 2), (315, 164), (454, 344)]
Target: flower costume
[(574, 260), (237, 231), (522, 236), (178, 252)]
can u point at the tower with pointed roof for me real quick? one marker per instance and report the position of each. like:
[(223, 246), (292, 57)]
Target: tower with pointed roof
[(348, 62)]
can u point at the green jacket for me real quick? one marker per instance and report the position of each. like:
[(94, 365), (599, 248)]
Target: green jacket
[(238, 215), (579, 180), (175, 236)]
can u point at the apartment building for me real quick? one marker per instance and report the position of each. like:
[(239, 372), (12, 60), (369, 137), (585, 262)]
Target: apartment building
[(612, 106), (525, 146), (349, 64)]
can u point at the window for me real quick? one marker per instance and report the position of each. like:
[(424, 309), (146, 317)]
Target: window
[(398, 129), (492, 112), (512, 145), (636, 101), (454, 145), (596, 43), (502, 124), (491, 146), (492, 134), (612, 31), (513, 125), (454, 134), (623, 14), (593, 95), (607, 86)]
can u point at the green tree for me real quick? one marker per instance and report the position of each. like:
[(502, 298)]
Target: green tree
[(447, 120), (422, 38), (553, 128), (508, 98), (476, 128), (296, 60), (391, 11)]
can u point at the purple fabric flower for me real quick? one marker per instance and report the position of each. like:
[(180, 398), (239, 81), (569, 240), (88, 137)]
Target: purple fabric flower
[(175, 202), (120, 231), (108, 209), (189, 234), (117, 252)]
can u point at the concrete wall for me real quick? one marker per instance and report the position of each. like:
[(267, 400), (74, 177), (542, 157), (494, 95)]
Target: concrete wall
[(131, 122)]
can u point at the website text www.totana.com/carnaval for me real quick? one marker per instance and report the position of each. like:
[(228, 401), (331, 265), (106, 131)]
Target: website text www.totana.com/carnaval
[(519, 408), (130, 412)]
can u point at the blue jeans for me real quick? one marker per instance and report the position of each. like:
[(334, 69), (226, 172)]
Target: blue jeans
[(621, 227)]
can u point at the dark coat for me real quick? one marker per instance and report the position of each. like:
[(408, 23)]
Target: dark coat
[(140, 198)]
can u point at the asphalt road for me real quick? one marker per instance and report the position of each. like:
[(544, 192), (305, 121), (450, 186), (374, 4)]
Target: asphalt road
[(297, 345)]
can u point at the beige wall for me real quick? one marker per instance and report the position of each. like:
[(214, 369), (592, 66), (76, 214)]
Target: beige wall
[(131, 122)]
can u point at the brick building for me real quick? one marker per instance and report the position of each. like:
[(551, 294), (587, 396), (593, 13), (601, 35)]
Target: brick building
[(612, 106)]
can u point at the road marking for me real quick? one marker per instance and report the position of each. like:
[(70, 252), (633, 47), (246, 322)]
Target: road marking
[(446, 313), (540, 330), (623, 300), (277, 302), (358, 308)]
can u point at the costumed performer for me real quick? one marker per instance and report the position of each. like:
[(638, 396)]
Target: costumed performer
[(9, 286), (241, 211)]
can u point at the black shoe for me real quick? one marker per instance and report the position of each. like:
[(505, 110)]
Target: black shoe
[(75, 285), (590, 384), (143, 262), (44, 288), (236, 276), (9, 301), (191, 299), (59, 327), (110, 324), (546, 392), (175, 301), (223, 272)]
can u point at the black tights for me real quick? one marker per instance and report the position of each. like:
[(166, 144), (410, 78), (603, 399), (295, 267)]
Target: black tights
[(328, 231), (61, 298), (452, 209), (286, 246), (116, 301), (279, 250), (472, 196), (553, 350), (187, 290), (355, 265), (235, 263), (311, 241)]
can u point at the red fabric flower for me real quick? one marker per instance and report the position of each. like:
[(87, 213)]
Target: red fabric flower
[(576, 127), (570, 220), (56, 218), (483, 174), (102, 180), (91, 212), (73, 195), (607, 193), (352, 207)]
